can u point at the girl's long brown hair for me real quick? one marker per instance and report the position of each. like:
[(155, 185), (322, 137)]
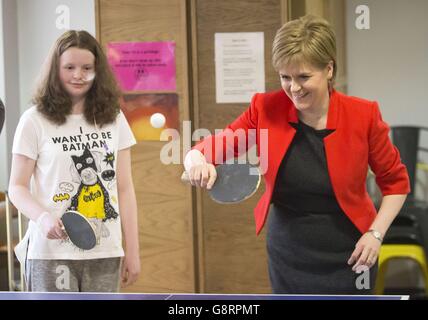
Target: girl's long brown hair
[(102, 100)]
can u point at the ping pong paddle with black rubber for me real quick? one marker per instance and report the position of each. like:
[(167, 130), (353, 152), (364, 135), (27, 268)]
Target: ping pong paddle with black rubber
[(79, 229), (235, 182)]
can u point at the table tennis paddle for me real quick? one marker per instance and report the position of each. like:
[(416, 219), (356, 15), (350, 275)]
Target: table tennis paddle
[(235, 182), (79, 229)]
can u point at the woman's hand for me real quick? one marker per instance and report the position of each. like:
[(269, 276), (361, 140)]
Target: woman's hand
[(366, 252), (203, 175)]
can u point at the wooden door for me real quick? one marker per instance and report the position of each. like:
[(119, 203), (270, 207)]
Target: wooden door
[(232, 259), (164, 203)]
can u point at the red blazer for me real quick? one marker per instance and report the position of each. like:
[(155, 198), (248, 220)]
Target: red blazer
[(360, 139)]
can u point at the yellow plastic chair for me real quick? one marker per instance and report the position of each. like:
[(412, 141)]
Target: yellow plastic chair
[(400, 251)]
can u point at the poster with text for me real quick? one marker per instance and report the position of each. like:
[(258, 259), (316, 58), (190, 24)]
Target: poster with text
[(143, 66), (239, 66)]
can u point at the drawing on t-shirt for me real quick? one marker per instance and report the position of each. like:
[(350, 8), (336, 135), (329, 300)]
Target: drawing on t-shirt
[(108, 175), (109, 158), (66, 187), (92, 198)]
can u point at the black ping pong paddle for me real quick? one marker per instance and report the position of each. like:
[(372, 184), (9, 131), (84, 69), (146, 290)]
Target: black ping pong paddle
[(235, 182), (79, 229)]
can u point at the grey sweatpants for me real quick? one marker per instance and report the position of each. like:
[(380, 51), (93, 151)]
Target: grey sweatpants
[(95, 275)]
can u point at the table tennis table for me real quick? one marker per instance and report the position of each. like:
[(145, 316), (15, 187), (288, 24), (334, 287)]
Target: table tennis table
[(19, 295)]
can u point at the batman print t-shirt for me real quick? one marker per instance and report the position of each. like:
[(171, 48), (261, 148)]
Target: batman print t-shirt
[(75, 170)]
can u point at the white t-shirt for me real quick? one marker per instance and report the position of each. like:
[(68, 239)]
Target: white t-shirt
[(75, 169)]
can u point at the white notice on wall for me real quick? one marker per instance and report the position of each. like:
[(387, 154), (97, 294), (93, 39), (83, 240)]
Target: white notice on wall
[(239, 66)]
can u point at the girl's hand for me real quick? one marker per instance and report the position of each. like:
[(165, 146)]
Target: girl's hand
[(51, 226), (131, 269)]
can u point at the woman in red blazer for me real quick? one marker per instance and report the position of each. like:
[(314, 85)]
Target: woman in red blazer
[(323, 229)]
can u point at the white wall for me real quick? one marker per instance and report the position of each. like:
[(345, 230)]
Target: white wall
[(34, 26), (38, 31), (389, 62)]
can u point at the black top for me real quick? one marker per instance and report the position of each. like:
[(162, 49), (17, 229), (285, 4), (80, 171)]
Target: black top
[(302, 183), (310, 238)]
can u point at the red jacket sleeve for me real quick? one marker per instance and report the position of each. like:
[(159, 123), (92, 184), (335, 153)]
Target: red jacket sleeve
[(235, 139), (384, 158)]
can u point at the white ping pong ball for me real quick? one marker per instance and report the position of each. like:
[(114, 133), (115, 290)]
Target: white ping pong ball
[(157, 120)]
